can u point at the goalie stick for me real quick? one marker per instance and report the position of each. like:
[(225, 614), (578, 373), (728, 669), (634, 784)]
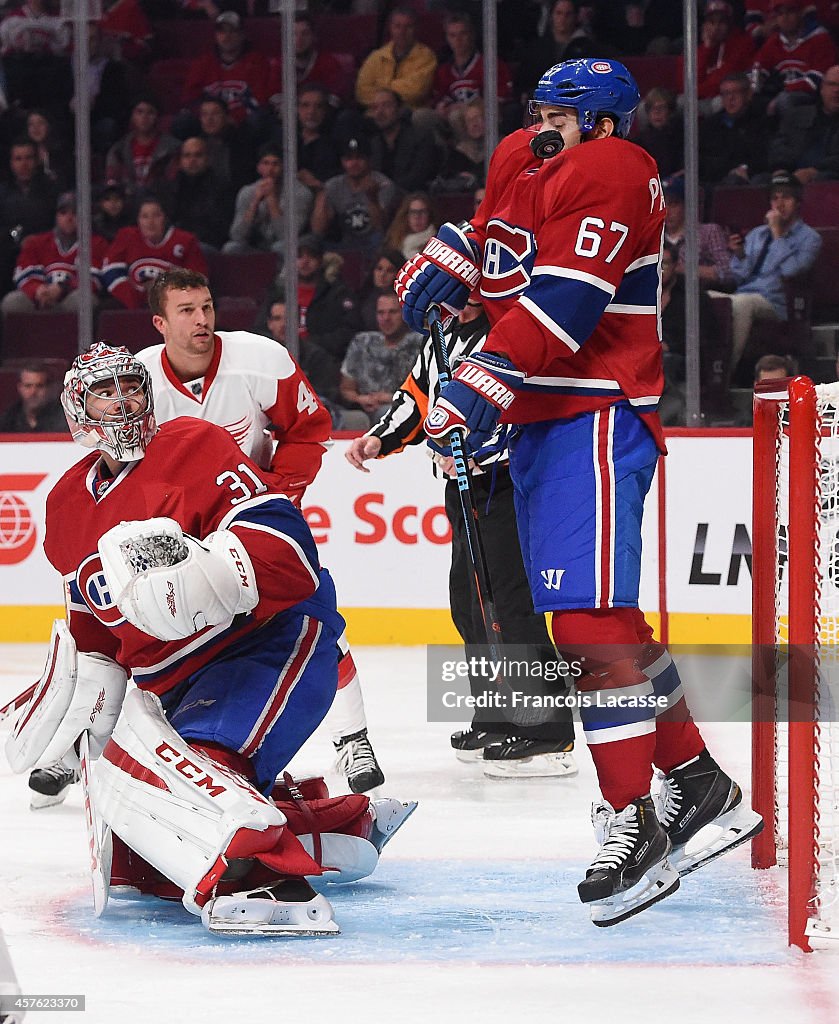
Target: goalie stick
[(468, 502), (99, 839), (9, 988)]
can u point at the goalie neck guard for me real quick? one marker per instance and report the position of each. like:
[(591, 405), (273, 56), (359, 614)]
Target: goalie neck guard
[(594, 88), (127, 426)]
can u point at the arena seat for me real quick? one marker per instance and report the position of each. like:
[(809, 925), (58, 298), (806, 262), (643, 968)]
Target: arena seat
[(130, 327), (242, 274), (182, 37), (665, 71), (820, 205), (235, 314), (165, 79), (8, 387), (825, 292), (40, 336), (735, 207), (348, 33)]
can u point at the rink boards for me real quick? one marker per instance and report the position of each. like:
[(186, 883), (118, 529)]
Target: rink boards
[(385, 538)]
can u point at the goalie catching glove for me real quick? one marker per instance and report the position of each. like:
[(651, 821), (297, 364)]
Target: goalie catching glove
[(443, 274), (170, 585), (480, 390)]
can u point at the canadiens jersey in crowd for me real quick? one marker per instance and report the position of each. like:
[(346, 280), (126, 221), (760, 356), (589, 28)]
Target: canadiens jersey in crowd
[(460, 85), (243, 84), (44, 260), (220, 489), (251, 384), (577, 313), (132, 263)]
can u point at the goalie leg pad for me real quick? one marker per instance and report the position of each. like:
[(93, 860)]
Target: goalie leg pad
[(184, 813), (77, 691)]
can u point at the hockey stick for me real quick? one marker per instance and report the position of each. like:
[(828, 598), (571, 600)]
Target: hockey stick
[(468, 503), (9, 988), (17, 702), (100, 841)]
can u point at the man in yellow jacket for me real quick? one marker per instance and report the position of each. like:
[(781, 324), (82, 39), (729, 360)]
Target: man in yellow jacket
[(403, 64)]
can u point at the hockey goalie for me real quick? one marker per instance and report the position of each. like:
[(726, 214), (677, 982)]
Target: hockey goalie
[(186, 572)]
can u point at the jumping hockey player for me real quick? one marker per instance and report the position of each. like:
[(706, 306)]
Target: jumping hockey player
[(214, 602), (565, 255)]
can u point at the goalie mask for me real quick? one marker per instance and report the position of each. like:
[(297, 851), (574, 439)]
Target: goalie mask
[(119, 383)]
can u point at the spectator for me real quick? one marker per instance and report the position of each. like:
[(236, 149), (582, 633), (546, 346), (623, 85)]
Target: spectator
[(793, 59), (724, 49), (377, 362), (145, 157), (46, 276), (733, 142), (111, 212), (464, 165), (784, 247), (807, 142), (37, 410), (412, 226), (354, 206), (313, 66), (34, 44), (140, 254), (380, 282), (200, 202), (771, 367), (230, 148), (125, 22), (55, 155), (108, 84), (714, 255), (402, 151), (402, 64), (259, 219), (234, 71), (27, 199), (663, 135), (564, 38), (461, 78), (317, 159), (328, 314)]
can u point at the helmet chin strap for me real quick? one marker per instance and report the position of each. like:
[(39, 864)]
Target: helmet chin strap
[(547, 144)]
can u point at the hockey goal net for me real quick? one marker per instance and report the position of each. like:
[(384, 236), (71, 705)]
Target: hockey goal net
[(795, 649)]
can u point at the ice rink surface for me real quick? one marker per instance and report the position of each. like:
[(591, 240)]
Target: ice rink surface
[(471, 916)]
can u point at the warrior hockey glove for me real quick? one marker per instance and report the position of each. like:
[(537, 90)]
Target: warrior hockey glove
[(443, 274), (480, 390)]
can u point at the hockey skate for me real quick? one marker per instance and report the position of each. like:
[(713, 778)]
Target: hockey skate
[(519, 758), (290, 907), (631, 872), (703, 813), (469, 744), (357, 761), (50, 785)]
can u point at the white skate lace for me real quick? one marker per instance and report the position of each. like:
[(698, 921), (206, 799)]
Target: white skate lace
[(355, 757), (618, 834), (668, 801), (57, 770)]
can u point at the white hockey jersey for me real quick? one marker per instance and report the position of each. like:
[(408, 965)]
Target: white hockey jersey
[(257, 392)]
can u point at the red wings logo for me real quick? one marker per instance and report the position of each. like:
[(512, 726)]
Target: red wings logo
[(17, 527)]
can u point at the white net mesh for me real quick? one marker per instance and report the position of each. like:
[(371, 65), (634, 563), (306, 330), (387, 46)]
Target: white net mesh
[(824, 908)]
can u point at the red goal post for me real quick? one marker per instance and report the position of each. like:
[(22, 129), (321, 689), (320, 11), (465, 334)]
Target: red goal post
[(795, 648)]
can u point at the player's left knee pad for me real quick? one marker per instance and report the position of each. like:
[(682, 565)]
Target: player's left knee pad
[(184, 813)]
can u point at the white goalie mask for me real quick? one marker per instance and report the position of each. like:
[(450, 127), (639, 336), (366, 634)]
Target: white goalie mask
[(125, 429)]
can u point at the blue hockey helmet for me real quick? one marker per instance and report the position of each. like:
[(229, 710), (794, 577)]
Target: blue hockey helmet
[(593, 87)]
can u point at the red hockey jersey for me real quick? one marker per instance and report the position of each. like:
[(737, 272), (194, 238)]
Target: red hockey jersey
[(571, 250), (800, 62), (219, 489), (132, 264), (244, 85), (460, 85), (43, 260)]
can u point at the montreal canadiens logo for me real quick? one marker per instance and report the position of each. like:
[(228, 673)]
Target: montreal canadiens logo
[(601, 67), (508, 260), (147, 270), (96, 593)]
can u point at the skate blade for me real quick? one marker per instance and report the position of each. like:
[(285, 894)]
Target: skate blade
[(275, 931), (725, 833), (40, 801), (393, 818), (649, 891), (469, 756), (542, 766)]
